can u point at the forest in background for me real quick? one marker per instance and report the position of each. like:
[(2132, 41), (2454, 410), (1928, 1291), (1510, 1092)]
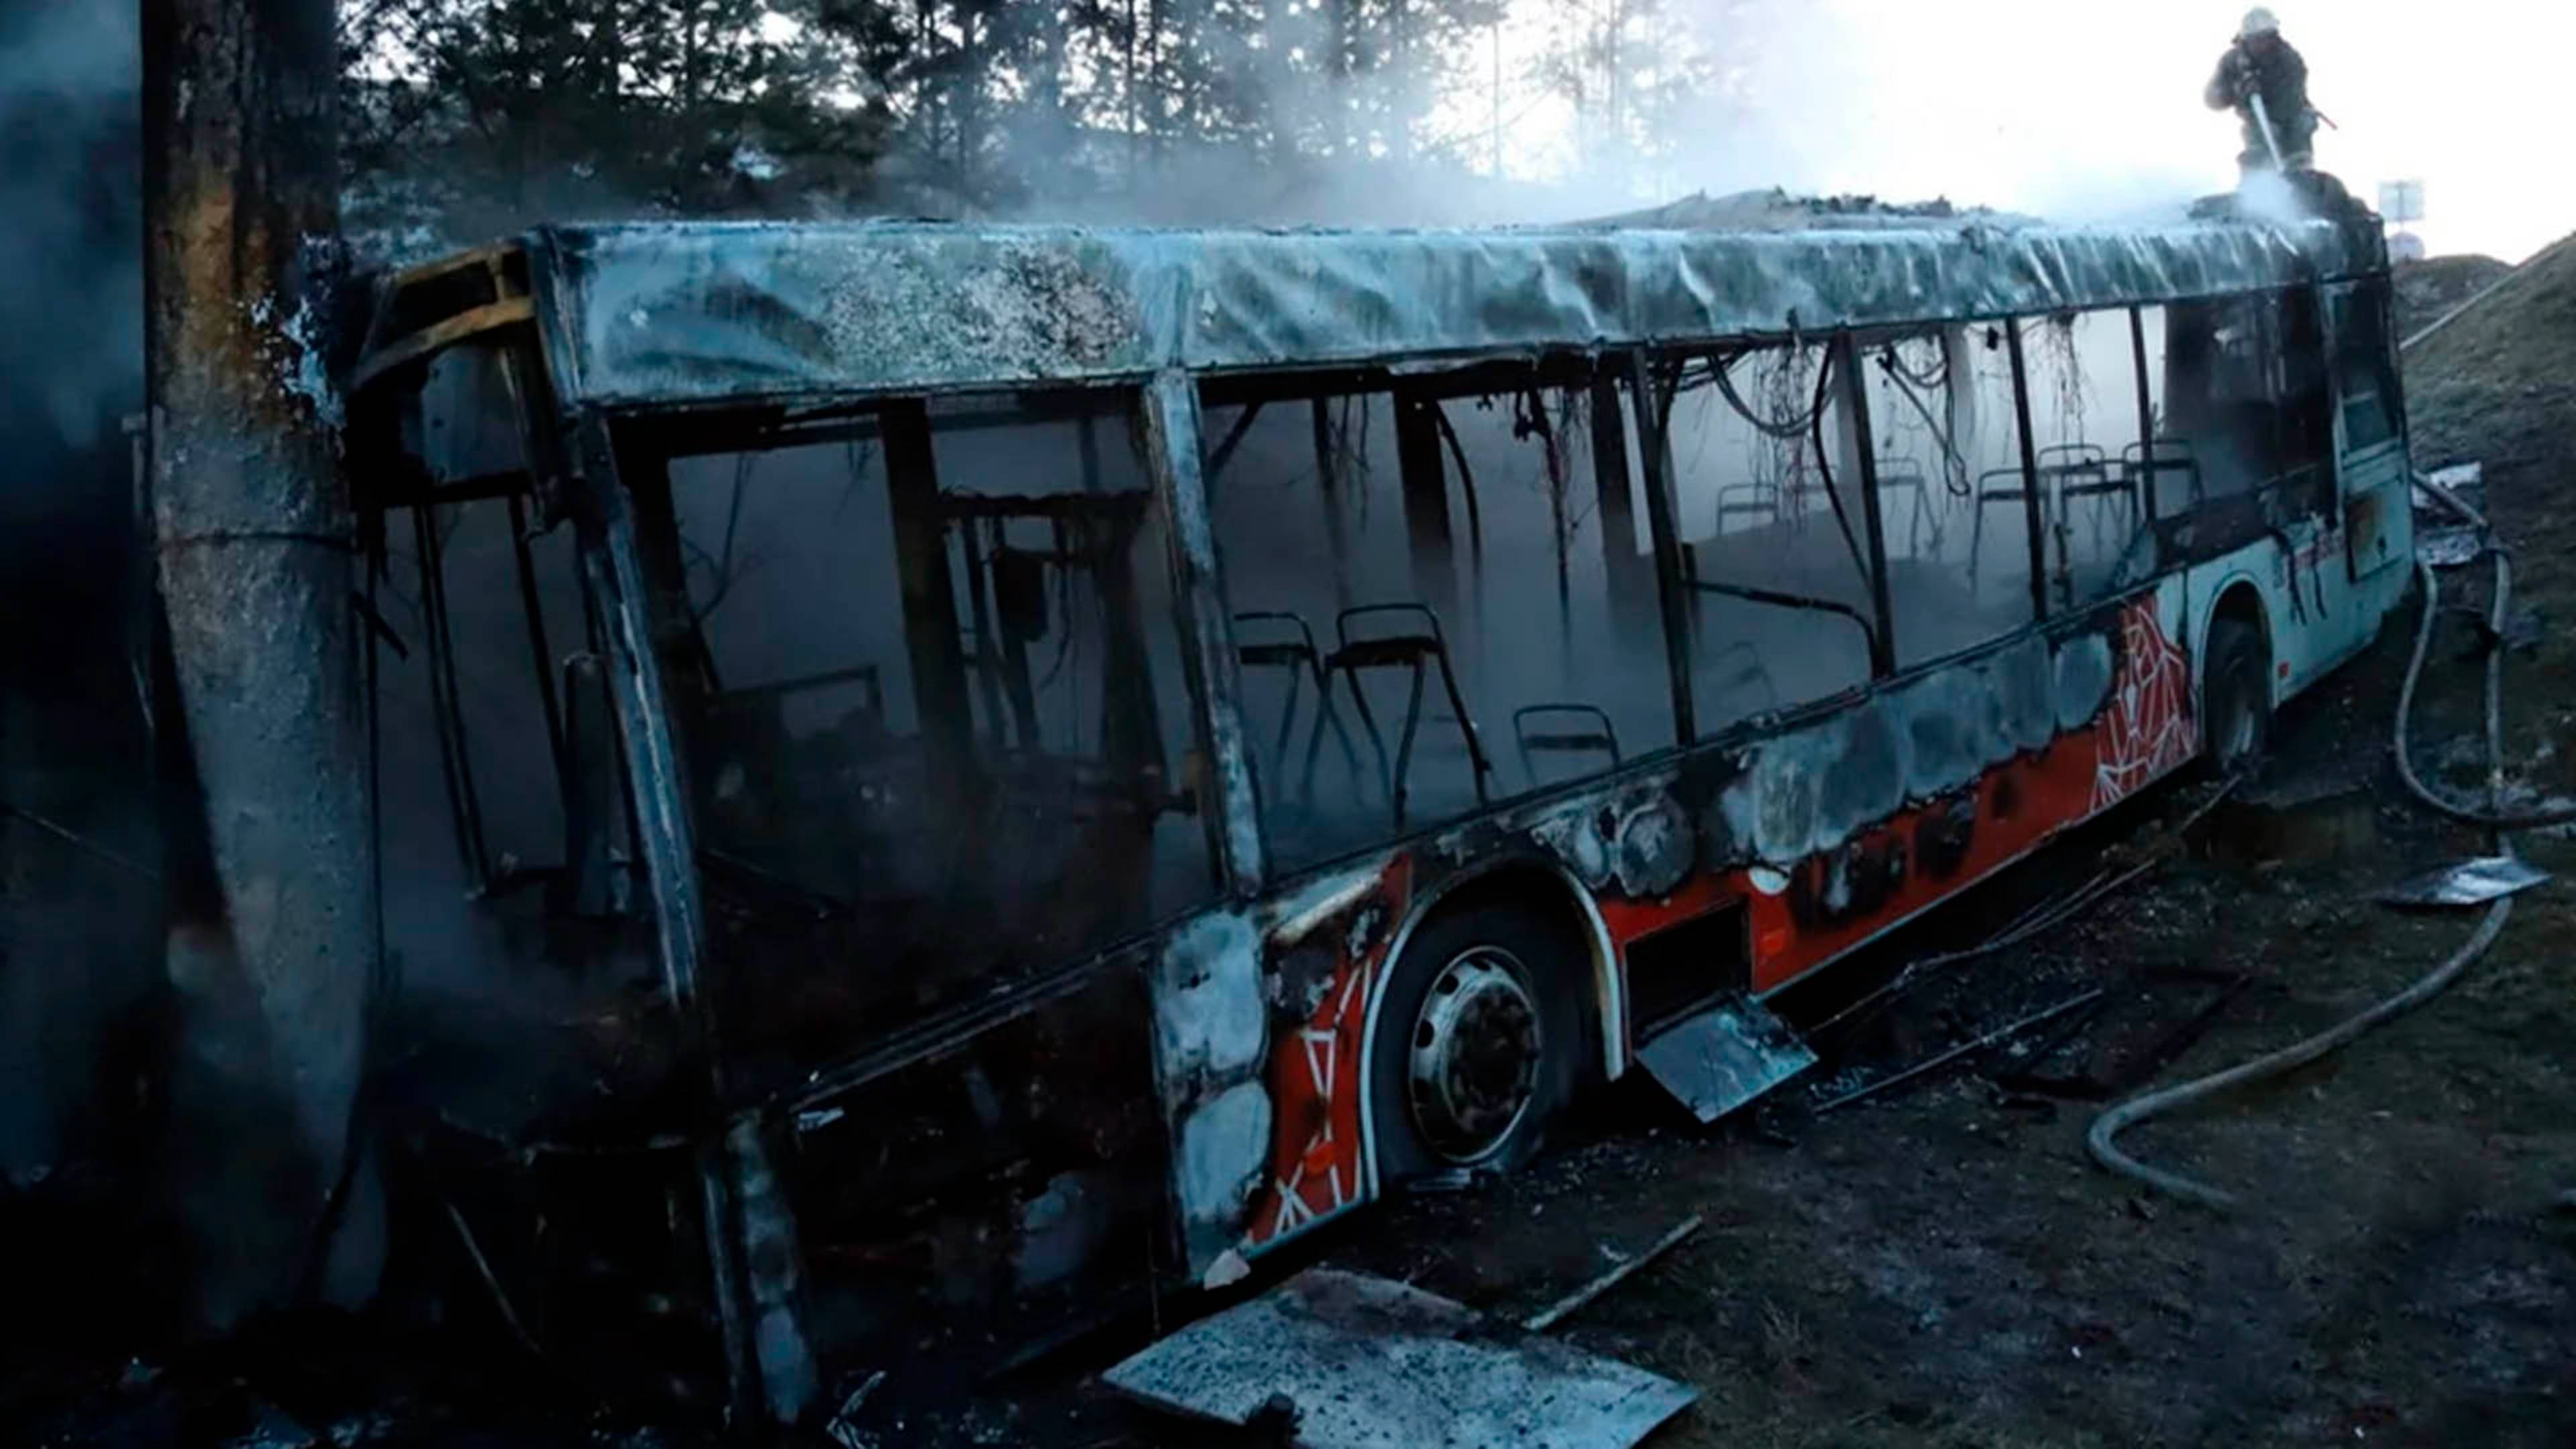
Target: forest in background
[(464, 118)]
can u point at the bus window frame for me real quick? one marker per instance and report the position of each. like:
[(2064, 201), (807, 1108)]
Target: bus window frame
[(2341, 300), (1229, 803), (1171, 403)]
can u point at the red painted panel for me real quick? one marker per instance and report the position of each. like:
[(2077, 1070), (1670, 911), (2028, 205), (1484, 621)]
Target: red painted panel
[(1316, 1083), (2019, 805), (2143, 731)]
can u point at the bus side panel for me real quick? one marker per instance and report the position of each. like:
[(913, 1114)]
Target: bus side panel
[(2315, 616), (2119, 696), (2319, 608), (1259, 1016), (1833, 831)]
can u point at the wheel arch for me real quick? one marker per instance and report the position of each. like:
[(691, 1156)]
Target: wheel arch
[(1524, 879), (2238, 597)]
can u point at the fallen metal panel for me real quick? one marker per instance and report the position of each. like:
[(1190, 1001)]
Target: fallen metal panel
[(1372, 1364), (2445, 548), (1725, 1057), (2467, 882)]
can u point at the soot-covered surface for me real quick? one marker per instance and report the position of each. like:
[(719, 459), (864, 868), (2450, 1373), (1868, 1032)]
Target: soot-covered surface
[(696, 312)]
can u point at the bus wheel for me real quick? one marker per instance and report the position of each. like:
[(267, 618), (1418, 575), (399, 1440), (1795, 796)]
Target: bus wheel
[(2235, 698), (1480, 1041)]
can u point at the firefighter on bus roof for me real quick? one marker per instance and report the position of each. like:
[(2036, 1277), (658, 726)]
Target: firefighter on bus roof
[(2261, 64)]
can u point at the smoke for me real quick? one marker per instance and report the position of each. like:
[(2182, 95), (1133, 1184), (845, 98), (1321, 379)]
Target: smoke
[(2000, 103), (77, 931), (1991, 104), (71, 318), (2268, 196)]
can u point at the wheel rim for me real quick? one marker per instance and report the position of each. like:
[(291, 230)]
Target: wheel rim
[(1472, 1071)]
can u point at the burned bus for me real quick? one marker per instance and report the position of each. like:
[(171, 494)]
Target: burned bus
[(996, 770)]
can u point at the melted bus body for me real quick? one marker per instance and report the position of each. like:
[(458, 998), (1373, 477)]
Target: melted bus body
[(1104, 750)]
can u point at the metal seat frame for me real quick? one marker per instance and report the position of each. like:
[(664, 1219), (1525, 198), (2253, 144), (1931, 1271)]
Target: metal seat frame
[(1302, 661), (1415, 653)]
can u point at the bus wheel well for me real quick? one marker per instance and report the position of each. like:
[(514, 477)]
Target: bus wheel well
[(2235, 685), (2241, 604), (1484, 1029), (1530, 885)]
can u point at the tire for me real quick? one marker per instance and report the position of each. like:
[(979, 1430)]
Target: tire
[(2235, 697), (1492, 953)]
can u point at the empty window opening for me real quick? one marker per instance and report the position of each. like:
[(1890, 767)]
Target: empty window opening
[(930, 679), (1434, 608)]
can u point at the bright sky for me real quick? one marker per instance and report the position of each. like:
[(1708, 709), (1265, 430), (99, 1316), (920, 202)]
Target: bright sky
[(2091, 109)]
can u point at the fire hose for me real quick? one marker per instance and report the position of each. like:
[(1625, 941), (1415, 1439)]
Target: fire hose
[(2099, 1139)]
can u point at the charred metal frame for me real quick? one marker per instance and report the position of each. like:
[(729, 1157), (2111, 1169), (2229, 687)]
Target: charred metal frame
[(614, 568), (1302, 660), (1617, 510), (455, 759), (2032, 520), (1881, 664), (1328, 482), (610, 485), (486, 288), (2146, 480), (1882, 640), (1655, 446), (1230, 809), (930, 624), (1418, 654), (1425, 485)]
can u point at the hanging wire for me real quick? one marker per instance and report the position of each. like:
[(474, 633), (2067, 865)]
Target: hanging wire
[(1939, 376), (1359, 470), (857, 453), (1954, 478), (1063, 610), (2065, 375), (1573, 418), (1825, 467), (1789, 431)]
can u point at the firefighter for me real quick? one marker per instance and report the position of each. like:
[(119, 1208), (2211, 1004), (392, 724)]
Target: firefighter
[(2262, 64)]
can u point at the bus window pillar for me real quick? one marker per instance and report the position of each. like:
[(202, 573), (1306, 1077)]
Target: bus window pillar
[(1228, 806), (1627, 575), (932, 644), (1654, 443), (1425, 479), (1882, 643), (1328, 480), (769, 1369), (2036, 525), (651, 512), (2146, 415)]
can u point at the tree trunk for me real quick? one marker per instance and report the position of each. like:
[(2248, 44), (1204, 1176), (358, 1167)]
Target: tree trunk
[(1135, 168), (274, 957)]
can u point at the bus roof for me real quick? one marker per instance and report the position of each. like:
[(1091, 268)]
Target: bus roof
[(683, 313)]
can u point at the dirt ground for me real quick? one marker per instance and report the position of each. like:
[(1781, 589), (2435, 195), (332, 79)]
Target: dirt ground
[(2435, 285)]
